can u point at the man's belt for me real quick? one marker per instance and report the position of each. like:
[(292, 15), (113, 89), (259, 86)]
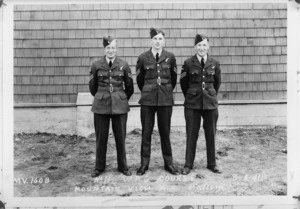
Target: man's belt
[(110, 88), (159, 81), (203, 85)]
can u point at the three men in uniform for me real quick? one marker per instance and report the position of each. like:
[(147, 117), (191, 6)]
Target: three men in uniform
[(156, 72)]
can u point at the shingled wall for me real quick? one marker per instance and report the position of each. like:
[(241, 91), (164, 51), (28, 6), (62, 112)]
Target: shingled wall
[(56, 44)]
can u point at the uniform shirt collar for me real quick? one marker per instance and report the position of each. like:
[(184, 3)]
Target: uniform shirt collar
[(112, 60), (199, 58), (154, 52)]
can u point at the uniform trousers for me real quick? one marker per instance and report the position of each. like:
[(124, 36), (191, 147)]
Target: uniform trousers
[(101, 123), (164, 114), (193, 121)]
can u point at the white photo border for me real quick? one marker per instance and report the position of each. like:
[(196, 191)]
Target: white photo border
[(293, 133)]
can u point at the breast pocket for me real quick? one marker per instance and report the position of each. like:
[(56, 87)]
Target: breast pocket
[(165, 72), (210, 74), (150, 71), (102, 74), (194, 75), (118, 75)]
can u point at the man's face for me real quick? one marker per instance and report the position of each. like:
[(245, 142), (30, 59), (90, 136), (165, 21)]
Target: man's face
[(202, 48), (158, 41), (111, 50)]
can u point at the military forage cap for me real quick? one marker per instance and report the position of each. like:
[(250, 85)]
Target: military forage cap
[(200, 37), (107, 40), (155, 31)]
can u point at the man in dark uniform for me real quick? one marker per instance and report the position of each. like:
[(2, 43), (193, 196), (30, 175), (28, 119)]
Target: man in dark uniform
[(156, 78), (111, 85), (200, 81)]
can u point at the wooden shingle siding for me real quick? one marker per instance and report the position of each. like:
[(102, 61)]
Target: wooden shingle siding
[(56, 44)]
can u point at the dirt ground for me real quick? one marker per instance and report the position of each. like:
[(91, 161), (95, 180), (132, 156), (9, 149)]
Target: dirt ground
[(252, 161)]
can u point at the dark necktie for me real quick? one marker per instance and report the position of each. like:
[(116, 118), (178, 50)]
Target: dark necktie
[(157, 57), (110, 63), (202, 62)]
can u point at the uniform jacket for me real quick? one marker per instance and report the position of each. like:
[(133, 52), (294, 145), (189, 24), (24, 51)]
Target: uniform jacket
[(156, 80), (199, 85), (111, 87)]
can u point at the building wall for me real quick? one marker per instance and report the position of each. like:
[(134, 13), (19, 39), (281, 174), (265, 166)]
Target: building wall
[(56, 44)]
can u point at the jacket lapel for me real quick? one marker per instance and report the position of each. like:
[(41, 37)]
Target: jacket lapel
[(150, 56), (208, 62), (163, 56), (196, 61), (104, 64), (115, 63)]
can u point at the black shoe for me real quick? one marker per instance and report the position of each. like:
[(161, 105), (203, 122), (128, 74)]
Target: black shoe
[(142, 170), (172, 170), (186, 171), (96, 173), (126, 172), (214, 169)]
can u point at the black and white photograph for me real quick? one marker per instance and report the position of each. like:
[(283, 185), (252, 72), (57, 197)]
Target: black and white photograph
[(151, 104)]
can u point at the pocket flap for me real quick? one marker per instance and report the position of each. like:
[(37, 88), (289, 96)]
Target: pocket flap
[(118, 73), (212, 91), (101, 73), (195, 72), (211, 71), (149, 67), (99, 96), (192, 91), (123, 96), (165, 65)]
